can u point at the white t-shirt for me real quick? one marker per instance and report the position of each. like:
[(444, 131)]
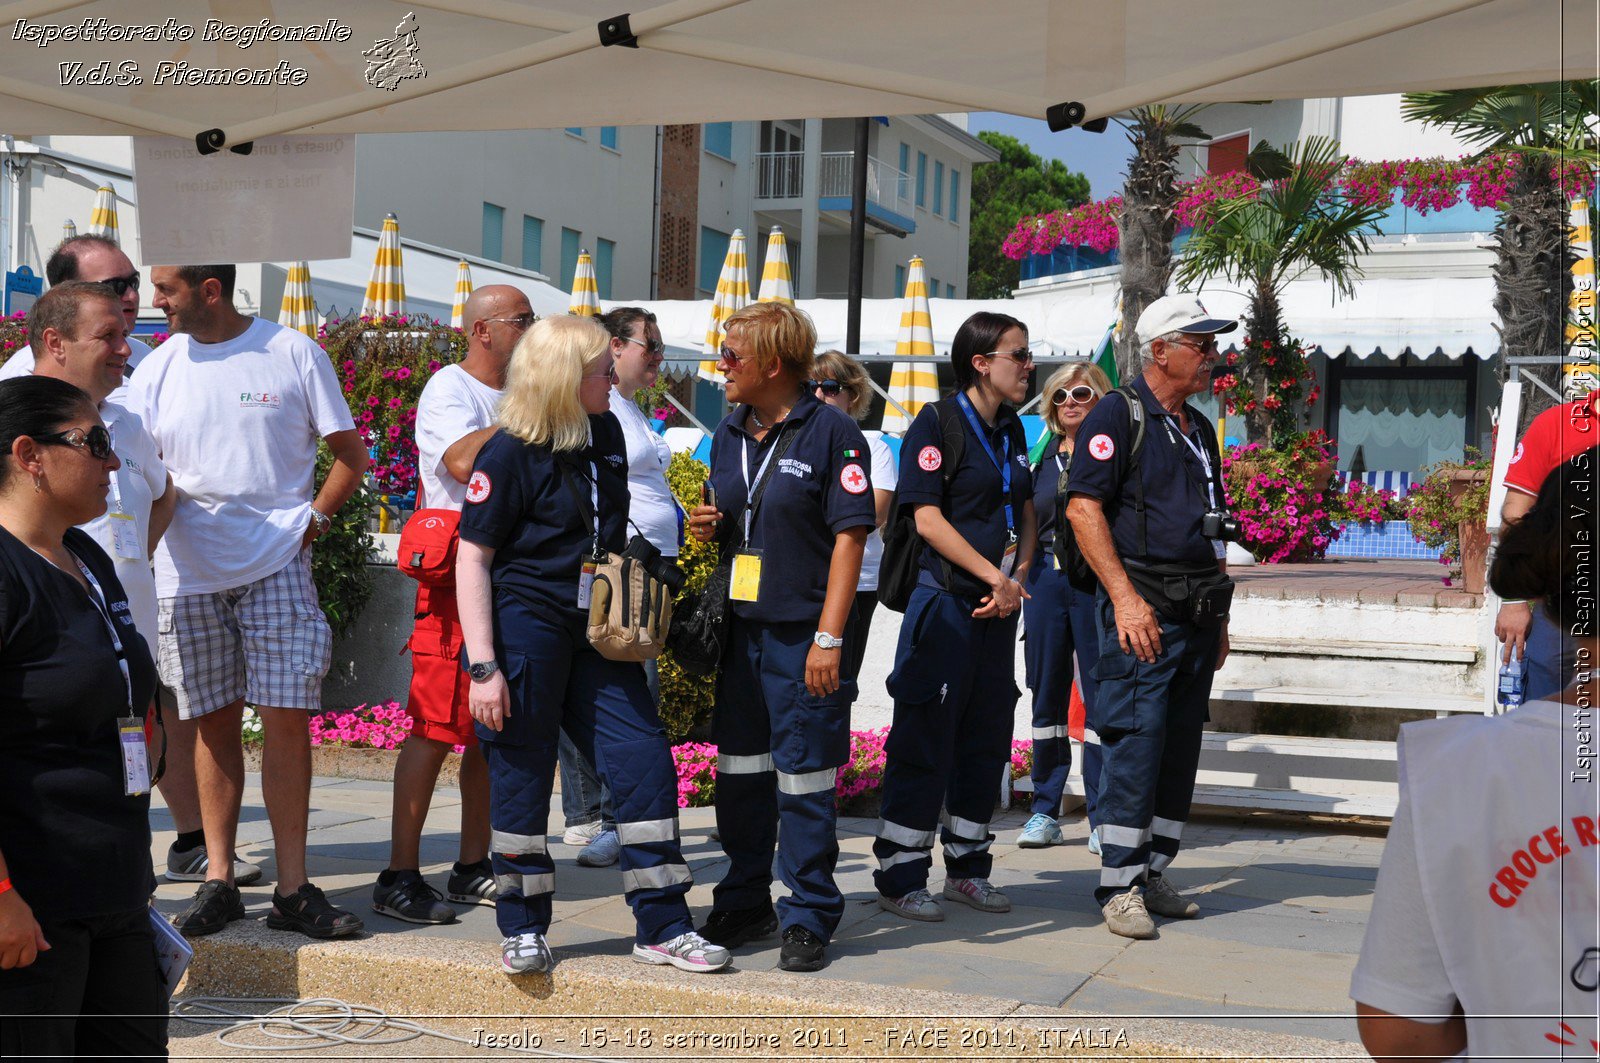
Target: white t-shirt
[(238, 425), (885, 477), (21, 364), (134, 487), (1487, 892), (454, 404), (652, 511)]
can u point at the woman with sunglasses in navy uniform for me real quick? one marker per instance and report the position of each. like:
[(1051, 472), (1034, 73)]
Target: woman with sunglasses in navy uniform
[(953, 683), (793, 503)]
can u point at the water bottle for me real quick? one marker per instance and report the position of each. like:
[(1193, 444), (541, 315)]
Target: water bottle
[(1513, 680)]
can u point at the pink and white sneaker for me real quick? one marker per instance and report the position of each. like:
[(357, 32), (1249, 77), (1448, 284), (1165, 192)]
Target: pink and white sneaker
[(686, 952)]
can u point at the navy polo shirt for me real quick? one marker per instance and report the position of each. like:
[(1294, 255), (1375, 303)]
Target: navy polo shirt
[(532, 506), (1045, 477), (976, 504), (1174, 478), (820, 487)]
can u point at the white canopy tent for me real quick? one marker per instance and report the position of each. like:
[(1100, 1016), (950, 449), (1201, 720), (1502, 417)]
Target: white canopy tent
[(504, 64)]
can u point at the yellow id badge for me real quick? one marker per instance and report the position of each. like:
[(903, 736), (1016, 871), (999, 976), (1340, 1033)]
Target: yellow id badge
[(746, 576)]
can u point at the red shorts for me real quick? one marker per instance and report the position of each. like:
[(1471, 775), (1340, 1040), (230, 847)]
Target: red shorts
[(437, 703)]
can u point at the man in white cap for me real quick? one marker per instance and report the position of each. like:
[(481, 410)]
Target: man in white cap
[(1150, 516)]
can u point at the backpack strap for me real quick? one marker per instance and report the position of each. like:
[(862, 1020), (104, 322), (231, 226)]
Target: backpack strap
[(1137, 424)]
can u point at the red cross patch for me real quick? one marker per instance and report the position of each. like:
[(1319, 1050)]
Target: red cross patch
[(1101, 448), (478, 487), (929, 459), (1518, 455), (852, 479)]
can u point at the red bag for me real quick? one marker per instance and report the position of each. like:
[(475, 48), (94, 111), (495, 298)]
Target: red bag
[(427, 551)]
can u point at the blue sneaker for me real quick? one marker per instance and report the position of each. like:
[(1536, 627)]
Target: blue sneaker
[(604, 851), (1094, 841), (1040, 832)]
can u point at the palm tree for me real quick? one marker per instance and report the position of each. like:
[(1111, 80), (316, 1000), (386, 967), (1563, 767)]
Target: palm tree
[(1297, 224), (1538, 125)]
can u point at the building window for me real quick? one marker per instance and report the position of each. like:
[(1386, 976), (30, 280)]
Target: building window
[(922, 179), (955, 195), (575, 130), (933, 287), (608, 137), (494, 228), (938, 187), (713, 250), (532, 242), (1227, 155), (604, 252), (949, 291), (719, 139), (899, 281), (569, 256)]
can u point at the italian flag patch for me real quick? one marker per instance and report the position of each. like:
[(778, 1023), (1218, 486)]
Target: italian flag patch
[(852, 454)]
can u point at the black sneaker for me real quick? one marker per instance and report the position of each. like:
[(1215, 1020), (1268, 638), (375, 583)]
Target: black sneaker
[(408, 897), (731, 928), (472, 884), (307, 911), (215, 905), (802, 951)]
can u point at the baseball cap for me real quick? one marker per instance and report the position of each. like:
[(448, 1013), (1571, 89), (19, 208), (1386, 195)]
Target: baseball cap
[(1179, 313)]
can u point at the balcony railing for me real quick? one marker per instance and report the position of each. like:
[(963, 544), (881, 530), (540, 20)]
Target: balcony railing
[(780, 174), (886, 186)]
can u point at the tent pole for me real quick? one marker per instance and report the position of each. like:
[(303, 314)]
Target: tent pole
[(858, 236)]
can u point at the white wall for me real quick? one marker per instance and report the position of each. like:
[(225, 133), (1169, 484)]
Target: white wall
[(1371, 128)]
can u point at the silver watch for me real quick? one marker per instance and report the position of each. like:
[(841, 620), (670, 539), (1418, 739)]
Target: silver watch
[(827, 641), (322, 521)]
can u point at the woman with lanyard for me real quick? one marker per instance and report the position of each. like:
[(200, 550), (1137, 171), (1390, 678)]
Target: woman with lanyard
[(953, 681), (791, 501), (548, 492), (77, 975), (1058, 621)]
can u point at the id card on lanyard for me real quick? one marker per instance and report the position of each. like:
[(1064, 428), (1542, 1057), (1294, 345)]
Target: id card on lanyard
[(124, 529), (1002, 463), (130, 729), (745, 582)]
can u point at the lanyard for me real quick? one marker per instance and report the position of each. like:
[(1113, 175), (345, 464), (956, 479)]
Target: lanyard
[(1197, 451), (116, 477), (594, 503), (98, 596), (1002, 463), (761, 472)]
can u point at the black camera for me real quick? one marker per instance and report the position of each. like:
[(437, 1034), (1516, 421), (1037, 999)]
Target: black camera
[(1219, 524)]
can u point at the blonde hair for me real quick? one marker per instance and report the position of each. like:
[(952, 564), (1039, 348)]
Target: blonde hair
[(776, 332), (835, 365), (1070, 375), (541, 403)]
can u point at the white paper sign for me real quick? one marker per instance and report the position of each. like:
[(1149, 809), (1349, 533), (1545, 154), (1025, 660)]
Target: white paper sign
[(291, 198)]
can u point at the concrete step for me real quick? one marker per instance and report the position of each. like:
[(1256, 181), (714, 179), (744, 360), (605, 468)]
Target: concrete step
[(1336, 664), (1412, 699), (1418, 652)]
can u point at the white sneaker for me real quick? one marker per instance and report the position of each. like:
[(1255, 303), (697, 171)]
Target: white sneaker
[(1126, 916), (686, 952), (976, 893), (1162, 899), (918, 905), (525, 954), (583, 833)]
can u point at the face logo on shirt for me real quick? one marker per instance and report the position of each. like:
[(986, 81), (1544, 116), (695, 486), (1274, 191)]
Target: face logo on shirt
[(1517, 455), (478, 487), (259, 400), (852, 479), (1101, 448), (929, 459)]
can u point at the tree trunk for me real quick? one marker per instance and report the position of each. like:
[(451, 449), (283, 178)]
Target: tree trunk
[(1532, 280), (1263, 324), (1145, 231)]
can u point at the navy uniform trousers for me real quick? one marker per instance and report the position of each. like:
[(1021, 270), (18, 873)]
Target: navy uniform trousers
[(1150, 718), (954, 691), (557, 682), (779, 750), (1059, 626)]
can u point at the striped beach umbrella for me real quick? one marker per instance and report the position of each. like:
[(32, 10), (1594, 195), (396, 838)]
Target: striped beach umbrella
[(776, 284), (1580, 374), (103, 221), (913, 384), (69, 229), (458, 308), (585, 289), (733, 292), (298, 310), (386, 288)]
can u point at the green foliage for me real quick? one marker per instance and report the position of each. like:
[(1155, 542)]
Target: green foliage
[(339, 557), (685, 700), (1554, 119), (1451, 493), (1018, 185)]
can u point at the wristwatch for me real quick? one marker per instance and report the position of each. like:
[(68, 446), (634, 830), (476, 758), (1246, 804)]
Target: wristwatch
[(827, 641), (322, 521), (483, 670)]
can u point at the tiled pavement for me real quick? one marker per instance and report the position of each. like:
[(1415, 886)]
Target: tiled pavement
[(1415, 583)]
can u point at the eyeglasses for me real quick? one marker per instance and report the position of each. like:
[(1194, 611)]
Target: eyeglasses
[(654, 347), (1022, 356), (120, 285), (827, 387), (726, 354), (1208, 344), (609, 374), (96, 440), (522, 321), (1082, 394)]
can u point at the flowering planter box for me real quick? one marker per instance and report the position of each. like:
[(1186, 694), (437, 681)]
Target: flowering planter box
[(354, 762)]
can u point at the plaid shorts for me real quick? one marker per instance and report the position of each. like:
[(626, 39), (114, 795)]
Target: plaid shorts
[(266, 642)]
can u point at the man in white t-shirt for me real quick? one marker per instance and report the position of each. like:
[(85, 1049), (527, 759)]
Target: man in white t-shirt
[(97, 259), (455, 417), (237, 405)]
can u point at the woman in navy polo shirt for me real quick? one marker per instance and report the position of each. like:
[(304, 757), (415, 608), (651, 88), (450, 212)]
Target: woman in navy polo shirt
[(548, 492), (782, 717), (953, 684)]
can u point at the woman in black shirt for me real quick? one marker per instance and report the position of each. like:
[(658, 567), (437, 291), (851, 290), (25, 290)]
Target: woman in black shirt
[(76, 949)]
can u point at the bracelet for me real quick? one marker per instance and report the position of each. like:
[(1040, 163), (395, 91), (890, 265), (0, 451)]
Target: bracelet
[(5, 884), (1513, 601)]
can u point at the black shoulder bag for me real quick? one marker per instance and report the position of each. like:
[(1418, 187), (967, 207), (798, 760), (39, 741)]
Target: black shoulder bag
[(901, 564)]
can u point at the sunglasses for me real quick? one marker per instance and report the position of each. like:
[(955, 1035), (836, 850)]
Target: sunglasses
[(726, 355), (656, 348), (120, 285), (96, 440), (1207, 344), (1081, 394), (522, 321), (1022, 356), (827, 387)]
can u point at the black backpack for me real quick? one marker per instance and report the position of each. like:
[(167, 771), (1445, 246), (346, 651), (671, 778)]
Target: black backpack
[(1068, 557)]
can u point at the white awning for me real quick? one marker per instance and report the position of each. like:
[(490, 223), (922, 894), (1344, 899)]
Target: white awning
[(506, 64)]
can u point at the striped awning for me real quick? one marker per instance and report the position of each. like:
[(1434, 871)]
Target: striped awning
[(585, 289), (458, 308), (103, 220), (913, 384), (733, 292), (298, 310), (386, 288)]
